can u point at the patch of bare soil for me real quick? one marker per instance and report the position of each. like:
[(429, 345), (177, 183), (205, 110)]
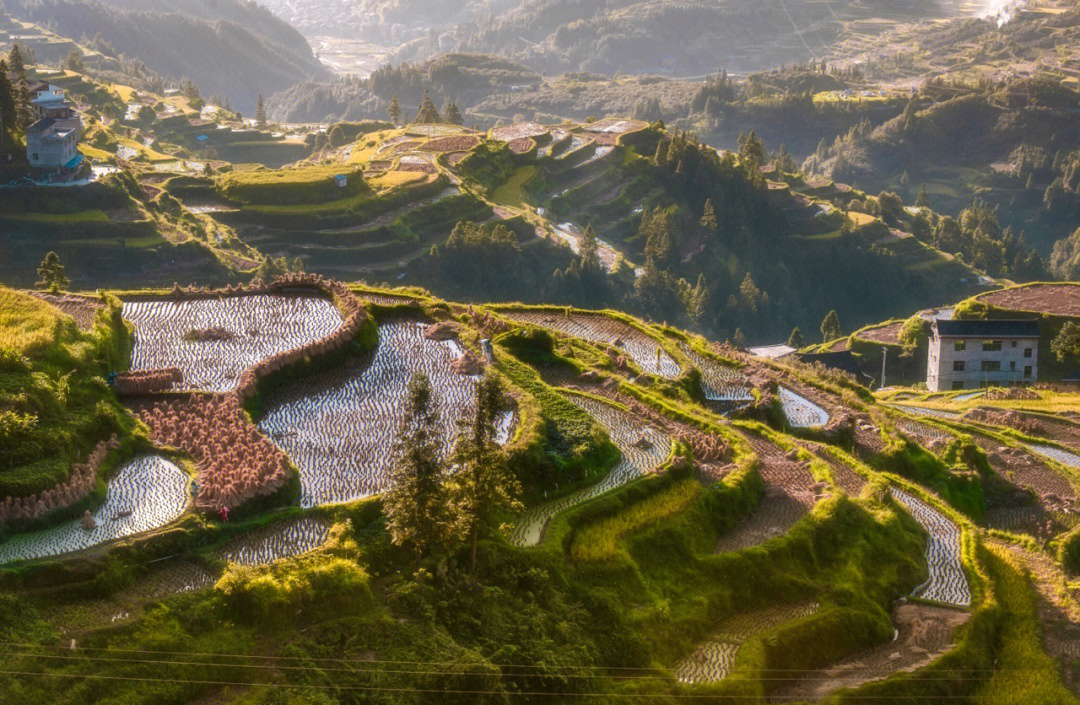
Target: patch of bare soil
[(789, 494), (923, 633), (1054, 299), (82, 308), (884, 334), (1031, 497)]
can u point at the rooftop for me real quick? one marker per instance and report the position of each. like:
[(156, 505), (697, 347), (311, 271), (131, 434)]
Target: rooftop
[(772, 352), (987, 328)]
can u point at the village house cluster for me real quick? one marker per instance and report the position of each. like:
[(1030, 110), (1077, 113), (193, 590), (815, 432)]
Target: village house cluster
[(52, 140)]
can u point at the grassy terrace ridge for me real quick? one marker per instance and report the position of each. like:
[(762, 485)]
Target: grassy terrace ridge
[(55, 405), (626, 580), (313, 185)]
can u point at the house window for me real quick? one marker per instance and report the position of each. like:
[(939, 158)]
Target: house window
[(991, 346), (36, 157), (957, 384), (1012, 365), (991, 365), (1027, 371), (960, 346), (1027, 352), (1014, 343), (958, 366)]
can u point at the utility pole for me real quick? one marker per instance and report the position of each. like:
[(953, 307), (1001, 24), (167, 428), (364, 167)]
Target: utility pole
[(884, 357)]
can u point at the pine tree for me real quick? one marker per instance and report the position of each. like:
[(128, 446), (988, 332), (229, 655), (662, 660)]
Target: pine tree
[(708, 222), (51, 273), (417, 513), (24, 109), (922, 200), (7, 105), (590, 257), (699, 300), (483, 487), (740, 338), (427, 112), (394, 110), (260, 113), (830, 327), (452, 115), (795, 340), (17, 61), (661, 152)]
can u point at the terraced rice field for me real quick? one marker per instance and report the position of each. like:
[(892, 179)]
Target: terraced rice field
[(338, 427), (146, 493), (596, 328), (787, 497), (718, 381), (82, 308), (286, 539), (259, 327), (626, 431), (800, 411), (923, 633), (1064, 457), (921, 432), (926, 411), (714, 660), (947, 582)]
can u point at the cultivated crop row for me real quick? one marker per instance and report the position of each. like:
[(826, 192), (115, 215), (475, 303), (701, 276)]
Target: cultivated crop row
[(789, 494), (339, 426), (258, 327), (719, 382), (714, 659), (646, 352), (283, 540), (144, 494), (643, 448), (800, 411), (947, 582)]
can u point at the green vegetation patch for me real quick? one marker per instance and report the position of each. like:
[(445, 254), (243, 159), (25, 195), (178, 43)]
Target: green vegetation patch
[(55, 404), (309, 185)]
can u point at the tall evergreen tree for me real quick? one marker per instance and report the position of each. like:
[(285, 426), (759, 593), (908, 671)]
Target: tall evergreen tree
[(795, 340), (590, 251), (483, 485), (17, 61), (922, 200), (830, 327), (417, 513), (51, 274), (427, 112), (699, 300), (7, 105), (394, 110), (452, 115), (660, 157), (260, 113)]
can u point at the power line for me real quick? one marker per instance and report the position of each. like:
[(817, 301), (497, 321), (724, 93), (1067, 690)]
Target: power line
[(387, 689), (659, 675)]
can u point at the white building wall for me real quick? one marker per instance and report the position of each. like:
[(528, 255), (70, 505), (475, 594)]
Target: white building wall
[(1015, 356)]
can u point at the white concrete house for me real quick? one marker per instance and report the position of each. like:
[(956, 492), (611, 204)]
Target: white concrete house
[(52, 145), (981, 353)]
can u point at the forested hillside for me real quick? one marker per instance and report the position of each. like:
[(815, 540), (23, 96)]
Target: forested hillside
[(228, 48)]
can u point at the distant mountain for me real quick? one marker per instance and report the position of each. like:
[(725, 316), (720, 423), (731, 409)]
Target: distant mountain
[(228, 47), (465, 79)]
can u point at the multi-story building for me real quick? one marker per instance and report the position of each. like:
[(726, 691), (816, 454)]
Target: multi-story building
[(52, 145), (49, 101), (981, 353)]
